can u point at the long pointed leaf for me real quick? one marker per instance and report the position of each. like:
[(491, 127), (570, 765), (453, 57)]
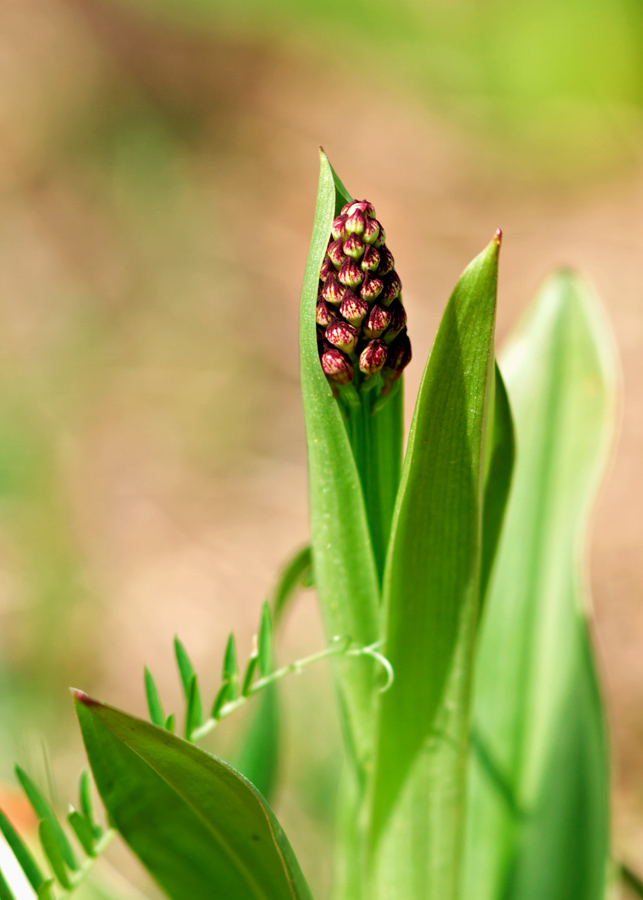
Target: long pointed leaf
[(201, 828), (43, 810), (345, 571), (21, 852), (539, 786), (431, 595)]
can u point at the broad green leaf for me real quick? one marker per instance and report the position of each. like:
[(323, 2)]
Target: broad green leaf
[(21, 852), (154, 705), (202, 830), (43, 810), (538, 820), (344, 564), (431, 595), (52, 852)]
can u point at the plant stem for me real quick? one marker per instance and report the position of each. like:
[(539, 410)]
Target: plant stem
[(631, 879)]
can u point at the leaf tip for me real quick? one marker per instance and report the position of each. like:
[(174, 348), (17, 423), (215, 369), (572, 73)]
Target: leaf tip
[(83, 698), (498, 237)]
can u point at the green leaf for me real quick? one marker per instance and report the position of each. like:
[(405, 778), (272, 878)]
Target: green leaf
[(201, 829), (249, 674), (21, 852), (344, 564), (537, 707), (85, 800), (43, 810), (258, 756), (193, 714), (223, 695), (46, 890), (431, 595), (52, 852), (264, 641), (157, 716), (169, 723), (297, 572), (5, 891), (230, 674), (83, 831)]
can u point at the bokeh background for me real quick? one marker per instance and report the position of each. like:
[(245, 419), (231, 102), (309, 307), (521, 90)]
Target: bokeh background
[(158, 169)]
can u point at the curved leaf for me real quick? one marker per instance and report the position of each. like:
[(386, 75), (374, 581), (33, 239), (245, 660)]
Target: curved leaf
[(201, 829), (539, 787)]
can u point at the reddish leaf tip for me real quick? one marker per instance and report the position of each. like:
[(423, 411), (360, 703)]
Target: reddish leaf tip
[(83, 698), (498, 236)]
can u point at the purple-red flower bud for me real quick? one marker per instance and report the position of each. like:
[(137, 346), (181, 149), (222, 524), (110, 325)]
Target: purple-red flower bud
[(353, 246), (350, 274), (371, 289), (387, 263), (373, 357), (342, 335), (324, 313), (370, 260), (392, 289), (398, 320), (326, 269), (338, 227), (332, 292), (336, 365), (335, 253), (377, 321), (353, 308), (371, 230), (362, 206), (399, 356), (381, 238), (356, 222)]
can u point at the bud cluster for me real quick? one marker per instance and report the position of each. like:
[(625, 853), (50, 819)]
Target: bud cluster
[(361, 322)]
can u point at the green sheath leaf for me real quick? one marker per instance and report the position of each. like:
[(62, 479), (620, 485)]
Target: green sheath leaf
[(431, 595), (538, 714), (157, 716), (296, 572), (202, 830), (52, 852), (344, 564), (83, 831)]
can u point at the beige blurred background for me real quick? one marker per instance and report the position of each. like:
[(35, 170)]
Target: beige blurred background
[(158, 169)]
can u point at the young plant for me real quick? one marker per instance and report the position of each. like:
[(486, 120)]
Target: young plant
[(474, 735)]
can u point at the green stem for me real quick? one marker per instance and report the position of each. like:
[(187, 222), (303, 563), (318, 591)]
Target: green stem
[(631, 879), (79, 876)]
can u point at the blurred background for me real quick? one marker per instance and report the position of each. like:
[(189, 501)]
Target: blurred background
[(158, 170)]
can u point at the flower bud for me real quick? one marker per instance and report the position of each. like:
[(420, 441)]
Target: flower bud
[(356, 222), (338, 228), (336, 365), (381, 239), (371, 230), (324, 313), (371, 289), (353, 308), (387, 263), (350, 274), (376, 322), (392, 288), (370, 260), (353, 246), (335, 253), (398, 321), (326, 269), (399, 356), (362, 206), (332, 292), (342, 335), (373, 357)]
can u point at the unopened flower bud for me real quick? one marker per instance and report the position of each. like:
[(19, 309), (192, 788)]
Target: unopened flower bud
[(326, 269), (356, 222), (398, 321), (324, 313), (354, 246), (387, 263), (336, 365), (342, 335), (373, 357), (376, 322), (345, 208), (392, 289), (335, 253), (353, 308), (370, 260), (381, 238), (399, 356), (371, 289), (371, 231), (350, 274), (363, 206), (332, 292), (338, 227)]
